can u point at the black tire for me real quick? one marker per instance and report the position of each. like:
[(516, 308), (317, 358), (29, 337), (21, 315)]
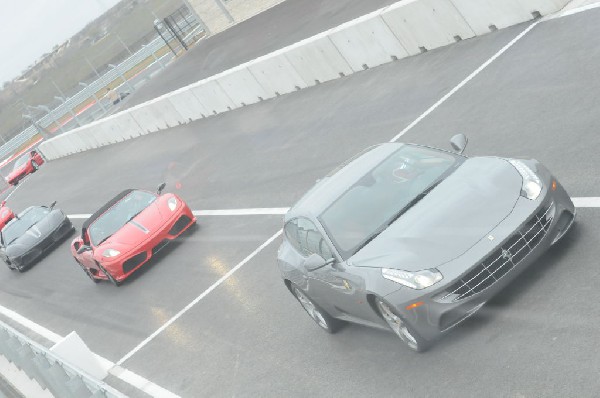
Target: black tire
[(400, 327), (8, 264), (34, 165), (109, 276), (87, 271), (317, 314)]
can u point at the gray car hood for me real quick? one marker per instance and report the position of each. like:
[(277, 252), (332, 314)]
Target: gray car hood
[(454, 216)]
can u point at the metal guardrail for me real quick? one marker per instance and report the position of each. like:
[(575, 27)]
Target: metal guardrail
[(94, 87), (48, 370)]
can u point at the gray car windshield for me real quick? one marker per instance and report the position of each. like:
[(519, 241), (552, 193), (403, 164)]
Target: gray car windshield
[(379, 196), (21, 161), (20, 225), (118, 215)]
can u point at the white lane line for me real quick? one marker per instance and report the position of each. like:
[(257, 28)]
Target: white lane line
[(576, 10), (465, 81), (586, 202), (226, 212), (200, 297), (127, 376)]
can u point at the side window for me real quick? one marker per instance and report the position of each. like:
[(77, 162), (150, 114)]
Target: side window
[(291, 232), (311, 241)]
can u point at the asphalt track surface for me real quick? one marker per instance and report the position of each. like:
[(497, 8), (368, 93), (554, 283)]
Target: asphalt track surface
[(248, 336), (282, 25)]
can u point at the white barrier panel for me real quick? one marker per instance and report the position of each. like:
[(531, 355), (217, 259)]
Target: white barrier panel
[(156, 114), (317, 60), (367, 42), (211, 95), (74, 351), (275, 74), (119, 127), (188, 106), (482, 14), (426, 24), (241, 86)]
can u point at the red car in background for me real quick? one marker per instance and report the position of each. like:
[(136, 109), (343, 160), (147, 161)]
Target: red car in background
[(127, 231), (6, 214), (26, 164)]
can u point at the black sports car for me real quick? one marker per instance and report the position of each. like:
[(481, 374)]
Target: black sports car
[(31, 233)]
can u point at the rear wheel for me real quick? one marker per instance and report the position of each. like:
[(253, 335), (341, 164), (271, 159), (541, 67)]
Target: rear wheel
[(401, 328), (87, 271), (321, 318)]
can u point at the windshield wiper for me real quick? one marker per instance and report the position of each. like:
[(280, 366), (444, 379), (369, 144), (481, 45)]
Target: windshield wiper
[(412, 203), (366, 242)]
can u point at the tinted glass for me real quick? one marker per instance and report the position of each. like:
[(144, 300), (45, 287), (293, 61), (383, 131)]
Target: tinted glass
[(369, 205), (118, 215), (19, 226), (21, 161), (305, 237)]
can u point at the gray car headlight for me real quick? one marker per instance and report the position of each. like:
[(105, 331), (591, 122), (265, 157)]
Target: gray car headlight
[(415, 280), (532, 185)]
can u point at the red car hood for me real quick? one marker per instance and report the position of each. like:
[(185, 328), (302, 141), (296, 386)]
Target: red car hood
[(140, 228)]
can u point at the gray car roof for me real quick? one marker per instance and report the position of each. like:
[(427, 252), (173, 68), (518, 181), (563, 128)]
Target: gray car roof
[(330, 188)]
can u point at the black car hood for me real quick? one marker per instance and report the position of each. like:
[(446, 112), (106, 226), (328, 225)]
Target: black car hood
[(35, 234), (447, 222)]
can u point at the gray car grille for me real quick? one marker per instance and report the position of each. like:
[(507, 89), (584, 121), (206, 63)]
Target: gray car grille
[(504, 258)]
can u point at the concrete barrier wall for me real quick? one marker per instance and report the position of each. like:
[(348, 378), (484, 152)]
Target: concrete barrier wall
[(403, 29)]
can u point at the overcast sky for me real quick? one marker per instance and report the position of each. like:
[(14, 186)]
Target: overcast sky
[(30, 28)]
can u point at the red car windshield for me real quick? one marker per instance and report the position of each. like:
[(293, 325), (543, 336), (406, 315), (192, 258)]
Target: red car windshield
[(21, 161), (118, 215)]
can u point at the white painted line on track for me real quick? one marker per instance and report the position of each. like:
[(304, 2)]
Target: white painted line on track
[(586, 202), (127, 376), (465, 81), (200, 297), (226, 212), (576, 10)]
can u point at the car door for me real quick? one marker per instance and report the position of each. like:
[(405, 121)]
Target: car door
[(338, 290)]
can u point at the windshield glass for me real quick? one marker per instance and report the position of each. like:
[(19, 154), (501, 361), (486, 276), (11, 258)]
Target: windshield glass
[(19, 226), (375, 199), (118, 215), (21, 161)]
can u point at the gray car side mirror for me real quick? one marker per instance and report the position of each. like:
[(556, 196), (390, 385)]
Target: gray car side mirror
[(314, 262), (160, 188), (459, 142)]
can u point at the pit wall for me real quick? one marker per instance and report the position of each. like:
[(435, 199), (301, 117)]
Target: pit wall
[(401, 30)]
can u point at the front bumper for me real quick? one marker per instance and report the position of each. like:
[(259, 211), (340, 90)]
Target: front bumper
[(48, 242), (476, 276)]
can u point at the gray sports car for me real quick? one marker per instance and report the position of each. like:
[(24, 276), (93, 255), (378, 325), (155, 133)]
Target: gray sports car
[(417, 239), (31, 233)]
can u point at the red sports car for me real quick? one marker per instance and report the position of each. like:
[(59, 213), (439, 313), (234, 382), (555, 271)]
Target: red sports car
[(6, 214), (26, 164), (127, 231)]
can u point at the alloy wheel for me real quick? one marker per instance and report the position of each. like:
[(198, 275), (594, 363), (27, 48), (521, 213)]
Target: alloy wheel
[(397, 325), (311, 308)]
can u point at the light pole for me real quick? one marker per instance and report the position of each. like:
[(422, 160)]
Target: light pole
[(64, 102), (95, 96), (49, 112), (122, 77)]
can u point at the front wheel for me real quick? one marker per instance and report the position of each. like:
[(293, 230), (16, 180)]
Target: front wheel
[(401, 328), (108, 275), (34, 165), (87, 271), (321, 318)]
